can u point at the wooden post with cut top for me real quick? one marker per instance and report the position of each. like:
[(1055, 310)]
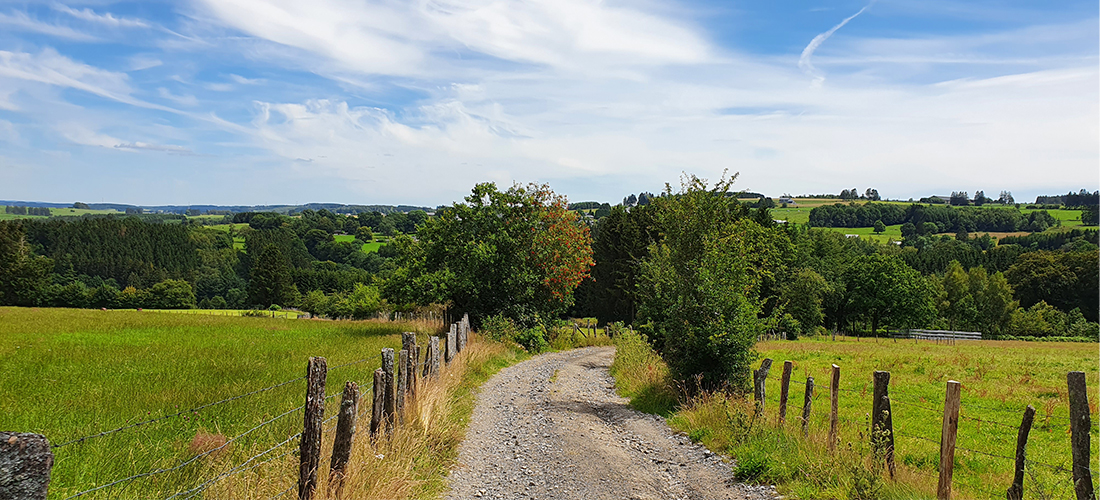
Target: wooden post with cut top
[(309, 450), (1080, 424), (759, 377), (834, 389), (784, 391), (345, 435), (882, 421), (402, 383), (1016, 491), (947, 439)]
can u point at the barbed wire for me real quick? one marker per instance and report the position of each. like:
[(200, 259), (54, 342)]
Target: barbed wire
[(280, 495), (192, 459), (198, 489), (192, 410)]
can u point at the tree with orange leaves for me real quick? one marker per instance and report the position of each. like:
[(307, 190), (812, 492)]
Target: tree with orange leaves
[(520, 253)]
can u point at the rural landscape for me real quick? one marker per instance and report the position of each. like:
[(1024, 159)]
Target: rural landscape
[(549, 249), (161, 353)]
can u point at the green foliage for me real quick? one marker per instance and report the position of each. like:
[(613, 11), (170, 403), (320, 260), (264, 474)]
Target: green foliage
[(519, 253), (270, 281), (621, 242), (803, 295), (503, 329), (975, 300), (701, 287), (883, 288)]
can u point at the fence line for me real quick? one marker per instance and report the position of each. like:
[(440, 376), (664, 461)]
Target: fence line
[(409, 375), (881, 437)]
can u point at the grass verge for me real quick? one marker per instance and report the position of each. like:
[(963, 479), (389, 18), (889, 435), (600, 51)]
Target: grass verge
[(999, 379)]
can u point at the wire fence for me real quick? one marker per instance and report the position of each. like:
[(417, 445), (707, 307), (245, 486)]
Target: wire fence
[(977, 419)]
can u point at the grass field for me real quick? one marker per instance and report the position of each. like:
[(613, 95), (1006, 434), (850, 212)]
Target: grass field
[(227, 312), (369, 247), (69, 373), (998, 380)]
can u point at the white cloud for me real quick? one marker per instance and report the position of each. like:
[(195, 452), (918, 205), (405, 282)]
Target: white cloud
[(219, 87), (84, 136), (21, 21), (55, 69), (144, 146), (141, 62), (106, 19), (182, 100), (805, 60), (246, 81)]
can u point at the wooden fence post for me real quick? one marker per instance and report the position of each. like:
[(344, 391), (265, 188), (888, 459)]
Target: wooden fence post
[(433, 346), (414, 372), (378, 402), (947, 439), (310, 442), (389, 409), (449, 348), (834, 422), (882, 422), (26, 462), (784, 390), (759, 376), (402, 382), (1016, 491), (806, 406), (345, 434), (1080, 426)]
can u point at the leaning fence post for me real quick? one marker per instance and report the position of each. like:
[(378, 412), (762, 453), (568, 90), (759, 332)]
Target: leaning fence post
[(759, 376), (806, 406), (389, 409), (1016, 491), (882, 422), (378, 402), (784, 390), (947, 439), (310, 442), (26, 462), (1080, 426), (345, 434), (834, 421)]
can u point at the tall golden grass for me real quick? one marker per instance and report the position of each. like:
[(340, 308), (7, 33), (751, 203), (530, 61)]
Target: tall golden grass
[(410, 462)]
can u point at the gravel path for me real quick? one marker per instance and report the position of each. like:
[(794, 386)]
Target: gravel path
[(553, 427)]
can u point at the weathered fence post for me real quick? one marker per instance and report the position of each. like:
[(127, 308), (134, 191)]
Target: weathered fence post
[(759, 376), (414, 373), (947, 439), (834, 389), (389, 409), (345, 434), (882, 422), (806, 406), (378, 402), (26, 462), (449, 352), (310, 442), (1016, 491), (1080, 426), (402, 382), (784, 390), (433, 346)]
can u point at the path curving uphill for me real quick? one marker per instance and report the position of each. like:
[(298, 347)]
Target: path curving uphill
[(553, 427)]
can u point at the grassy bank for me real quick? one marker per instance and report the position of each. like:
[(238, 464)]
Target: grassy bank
[(999, 379), (74, 373)]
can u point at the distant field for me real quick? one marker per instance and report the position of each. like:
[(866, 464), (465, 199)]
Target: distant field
[(868, 233), (369, 247), (226, 312), (68, 373)]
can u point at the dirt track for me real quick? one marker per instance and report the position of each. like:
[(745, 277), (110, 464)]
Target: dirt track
[(553, 427)]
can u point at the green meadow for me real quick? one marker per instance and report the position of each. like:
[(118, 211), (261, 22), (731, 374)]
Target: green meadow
[(68, 373)]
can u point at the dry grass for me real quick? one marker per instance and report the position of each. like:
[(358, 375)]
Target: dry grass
[(412, 461)]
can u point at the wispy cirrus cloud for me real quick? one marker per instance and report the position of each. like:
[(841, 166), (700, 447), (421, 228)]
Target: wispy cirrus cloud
[(19, 20), (106, 19)]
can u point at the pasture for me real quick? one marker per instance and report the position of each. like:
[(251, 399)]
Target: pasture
[(69, 373), (999, 378), (368, 247)]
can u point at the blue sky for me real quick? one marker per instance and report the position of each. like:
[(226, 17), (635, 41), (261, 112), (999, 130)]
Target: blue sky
[(285, 101)]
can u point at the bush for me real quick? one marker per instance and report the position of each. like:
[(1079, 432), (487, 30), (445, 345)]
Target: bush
[(503, 329)]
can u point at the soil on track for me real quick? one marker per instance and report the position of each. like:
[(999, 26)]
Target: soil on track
[(553, 427)]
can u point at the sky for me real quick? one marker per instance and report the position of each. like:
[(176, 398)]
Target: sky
[(414, 101)]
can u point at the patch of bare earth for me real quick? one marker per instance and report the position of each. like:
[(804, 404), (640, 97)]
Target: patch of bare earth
[(553, 427)]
